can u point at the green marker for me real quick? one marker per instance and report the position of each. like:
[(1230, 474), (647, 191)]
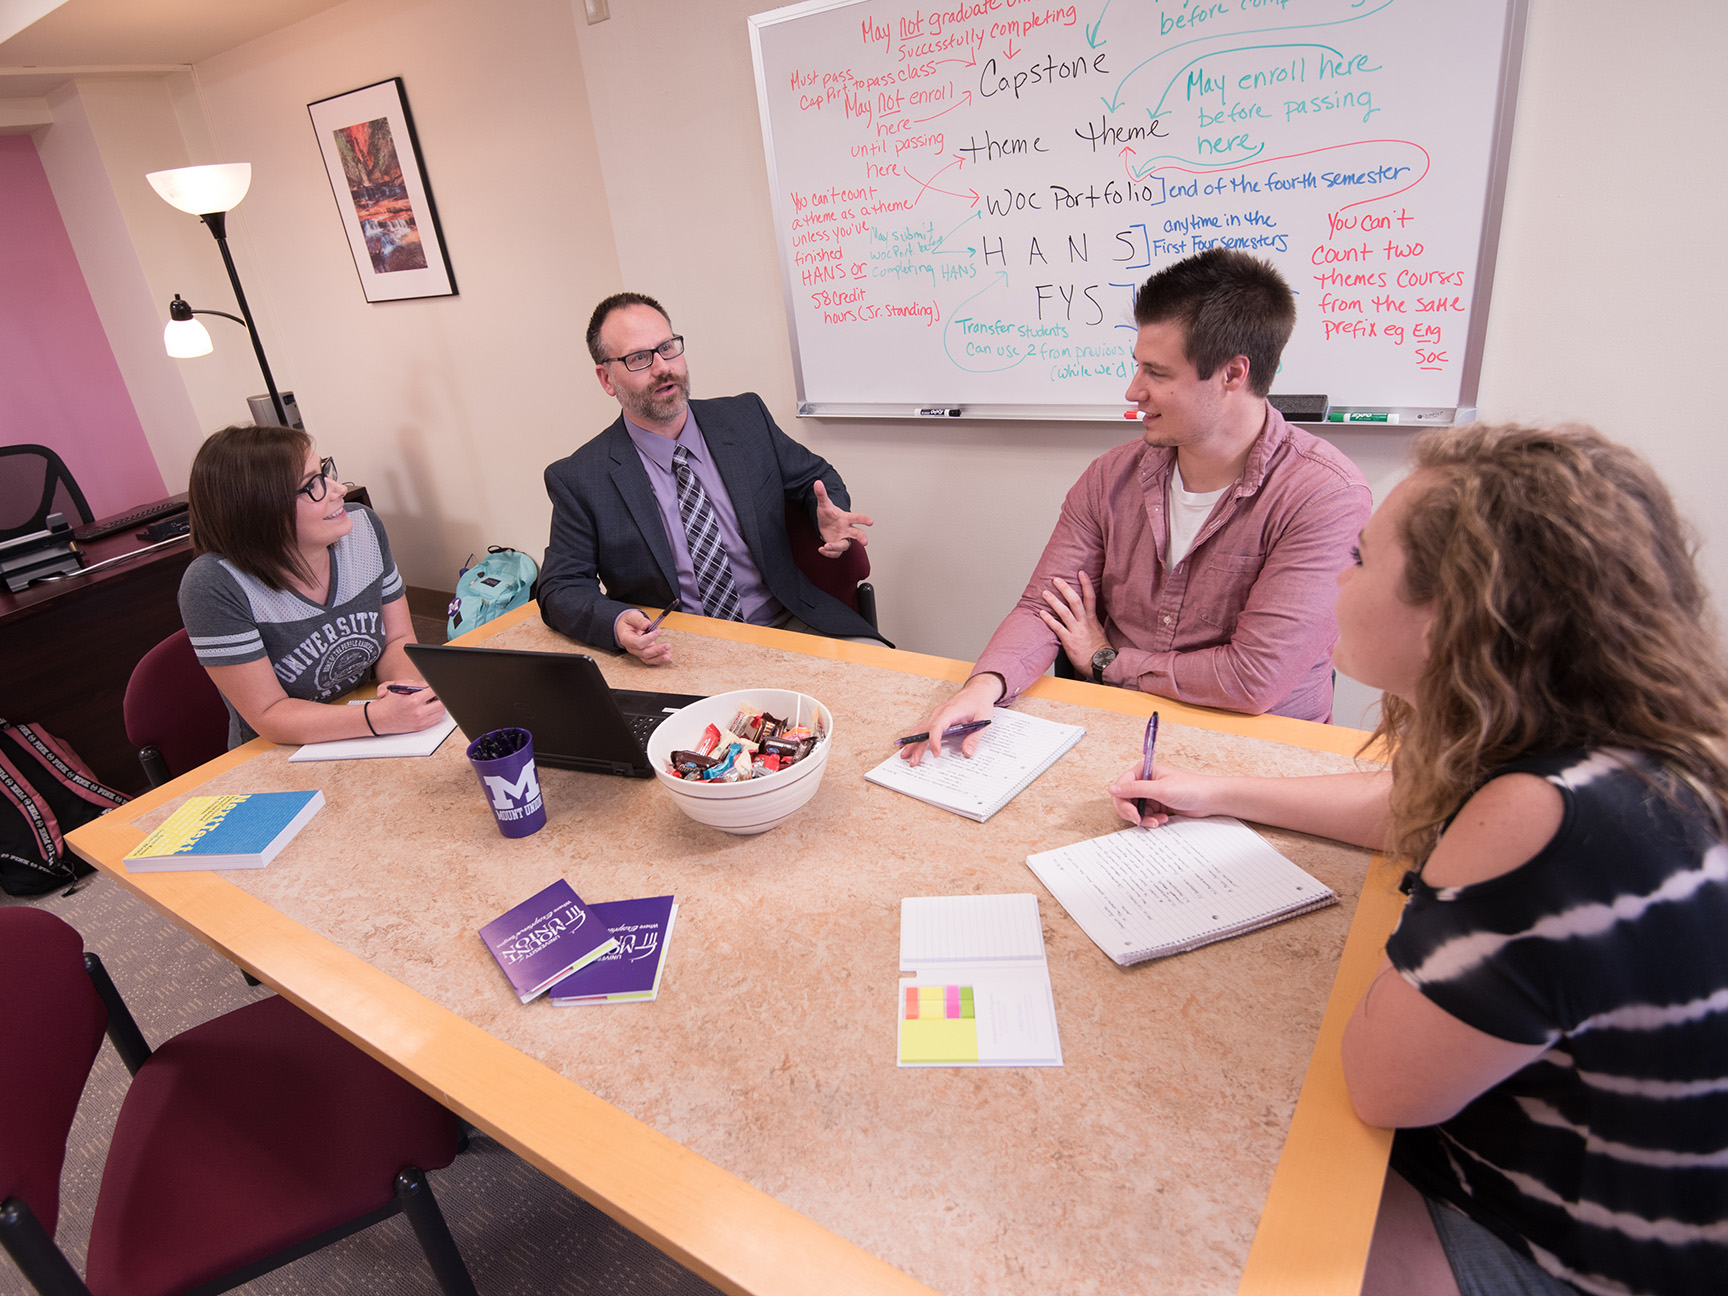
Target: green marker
[(1361, 416)]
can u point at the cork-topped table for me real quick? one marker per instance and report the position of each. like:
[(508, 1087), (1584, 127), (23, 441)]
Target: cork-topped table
[(752, 1122)]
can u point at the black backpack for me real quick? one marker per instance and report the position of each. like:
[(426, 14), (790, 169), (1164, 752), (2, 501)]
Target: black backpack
[(45, 791)]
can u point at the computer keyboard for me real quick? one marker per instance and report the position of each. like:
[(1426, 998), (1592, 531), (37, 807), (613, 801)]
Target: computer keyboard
[(643, 725), (127, 521)]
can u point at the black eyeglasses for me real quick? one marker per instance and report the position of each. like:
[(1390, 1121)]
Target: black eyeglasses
[(316, 489), (636, 361)]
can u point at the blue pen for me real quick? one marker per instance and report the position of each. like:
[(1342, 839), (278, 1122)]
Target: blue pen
[(1146, 763)]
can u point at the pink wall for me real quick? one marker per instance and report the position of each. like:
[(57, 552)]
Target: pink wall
[(59, 384)]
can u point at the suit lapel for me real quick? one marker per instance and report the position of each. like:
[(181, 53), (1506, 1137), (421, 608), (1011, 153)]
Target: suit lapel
[(721, 434), (631, 479)]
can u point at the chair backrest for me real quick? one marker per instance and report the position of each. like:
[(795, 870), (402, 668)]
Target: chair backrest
[(35, 482), (171, 705), (51, 1024), (837, 576)]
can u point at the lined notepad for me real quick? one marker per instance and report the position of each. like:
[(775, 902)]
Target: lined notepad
[(975, 986), (1145, 893), (1013, 751), (423, 742)]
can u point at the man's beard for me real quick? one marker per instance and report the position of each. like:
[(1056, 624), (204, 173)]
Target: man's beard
[(650, 407)]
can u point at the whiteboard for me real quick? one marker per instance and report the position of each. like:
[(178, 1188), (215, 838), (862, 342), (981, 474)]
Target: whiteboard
[(967, 193)]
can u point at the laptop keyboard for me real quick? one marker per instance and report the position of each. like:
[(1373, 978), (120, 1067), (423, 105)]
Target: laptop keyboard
[(643, 725)]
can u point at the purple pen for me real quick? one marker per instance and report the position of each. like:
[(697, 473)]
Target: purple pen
[(406, 688), (1146, 764), (654, 624), (952, 731)]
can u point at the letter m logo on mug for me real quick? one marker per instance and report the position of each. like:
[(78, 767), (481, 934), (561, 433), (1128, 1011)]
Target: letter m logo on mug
[(507, 795)]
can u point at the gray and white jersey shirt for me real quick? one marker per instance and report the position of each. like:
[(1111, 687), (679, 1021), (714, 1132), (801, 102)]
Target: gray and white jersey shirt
[(318, 651)]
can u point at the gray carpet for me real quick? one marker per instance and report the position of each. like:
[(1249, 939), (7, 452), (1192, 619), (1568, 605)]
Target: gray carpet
[(520, 1233)]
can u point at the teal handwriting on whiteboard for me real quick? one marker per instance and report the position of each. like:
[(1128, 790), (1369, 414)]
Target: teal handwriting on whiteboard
[(967, 194)]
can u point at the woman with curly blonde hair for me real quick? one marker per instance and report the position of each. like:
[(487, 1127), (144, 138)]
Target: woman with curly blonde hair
[(1549, 1030)]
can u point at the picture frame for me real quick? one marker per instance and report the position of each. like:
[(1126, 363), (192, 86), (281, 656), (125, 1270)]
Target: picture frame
[(372, 155)]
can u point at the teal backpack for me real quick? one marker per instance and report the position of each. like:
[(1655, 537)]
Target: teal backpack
[(486, 590)]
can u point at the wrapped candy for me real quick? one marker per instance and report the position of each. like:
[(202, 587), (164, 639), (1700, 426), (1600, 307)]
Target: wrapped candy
[(754, 744)]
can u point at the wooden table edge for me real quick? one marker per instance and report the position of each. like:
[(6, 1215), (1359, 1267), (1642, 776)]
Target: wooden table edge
[(708, 1219), (1314, 1229)]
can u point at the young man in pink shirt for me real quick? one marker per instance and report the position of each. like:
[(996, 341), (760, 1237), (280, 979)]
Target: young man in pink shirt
[(1200, 562)]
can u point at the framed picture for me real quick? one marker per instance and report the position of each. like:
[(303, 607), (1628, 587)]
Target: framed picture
[(373, 157)]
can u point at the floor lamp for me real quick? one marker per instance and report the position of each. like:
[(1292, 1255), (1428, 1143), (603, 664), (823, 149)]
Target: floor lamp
[(210, 193)]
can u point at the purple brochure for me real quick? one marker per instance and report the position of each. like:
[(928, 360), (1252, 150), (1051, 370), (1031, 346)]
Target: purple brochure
[(545, 938), (631, 972)]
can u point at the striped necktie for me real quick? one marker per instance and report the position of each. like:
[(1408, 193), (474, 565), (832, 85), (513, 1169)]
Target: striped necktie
[(702, 530)]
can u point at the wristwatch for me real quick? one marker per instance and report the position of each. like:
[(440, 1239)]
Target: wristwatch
[(1101, 662)]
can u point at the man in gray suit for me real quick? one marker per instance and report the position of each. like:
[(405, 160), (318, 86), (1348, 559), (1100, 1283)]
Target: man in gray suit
[(684, 499)]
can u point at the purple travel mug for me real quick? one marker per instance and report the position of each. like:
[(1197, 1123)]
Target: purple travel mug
[(504, 762)]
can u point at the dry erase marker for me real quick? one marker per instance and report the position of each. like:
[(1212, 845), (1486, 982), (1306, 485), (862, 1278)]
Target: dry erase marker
[(939, 411), (1362, 416), (952, 731), (655, 623), (1146, 763)]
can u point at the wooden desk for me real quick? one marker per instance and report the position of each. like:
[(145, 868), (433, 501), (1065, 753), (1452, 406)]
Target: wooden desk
[(752, 1122), (69, 646)]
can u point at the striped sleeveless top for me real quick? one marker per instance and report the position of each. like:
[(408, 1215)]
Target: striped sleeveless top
[(1606, 1159)]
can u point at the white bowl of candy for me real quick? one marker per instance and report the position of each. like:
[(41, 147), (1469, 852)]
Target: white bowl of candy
[(743, 762)]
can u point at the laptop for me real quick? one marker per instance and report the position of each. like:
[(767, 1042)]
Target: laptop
[(578, 721)]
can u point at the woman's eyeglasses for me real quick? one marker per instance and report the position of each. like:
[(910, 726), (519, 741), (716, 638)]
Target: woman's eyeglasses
[(316, 489)]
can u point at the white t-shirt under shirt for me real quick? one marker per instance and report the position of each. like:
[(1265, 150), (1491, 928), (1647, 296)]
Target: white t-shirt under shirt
[(1188, 513), (318, 651)]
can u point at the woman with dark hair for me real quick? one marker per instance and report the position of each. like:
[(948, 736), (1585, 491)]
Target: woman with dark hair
[(293, 596), (1549, 1030)]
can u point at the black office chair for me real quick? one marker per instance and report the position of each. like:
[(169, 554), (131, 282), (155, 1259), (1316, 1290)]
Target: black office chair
[(34, 482)]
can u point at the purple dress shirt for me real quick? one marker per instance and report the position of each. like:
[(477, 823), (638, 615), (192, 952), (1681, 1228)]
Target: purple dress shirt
[(1245, 621), (755, 602)]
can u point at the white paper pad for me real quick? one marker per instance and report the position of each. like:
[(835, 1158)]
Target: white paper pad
[(1013, 751), (990, 949), (1147, 892), (422, 743)]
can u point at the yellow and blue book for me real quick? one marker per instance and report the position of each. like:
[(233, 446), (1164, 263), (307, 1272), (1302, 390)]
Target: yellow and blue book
[(244, 830)]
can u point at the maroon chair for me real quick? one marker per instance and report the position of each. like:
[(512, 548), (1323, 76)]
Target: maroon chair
[(847, 577), (242, 1144), (174, 715)]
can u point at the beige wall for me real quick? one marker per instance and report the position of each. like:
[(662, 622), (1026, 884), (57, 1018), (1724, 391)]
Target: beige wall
[(1608, 302), (137, 252), (446, 407), (1600, 312), (571, 160)]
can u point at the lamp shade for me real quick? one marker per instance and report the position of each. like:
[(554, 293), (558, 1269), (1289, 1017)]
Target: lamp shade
[(198, 190), (186, 338)]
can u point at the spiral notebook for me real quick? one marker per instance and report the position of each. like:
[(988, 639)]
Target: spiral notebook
[(1013, 751), (1146, 893)]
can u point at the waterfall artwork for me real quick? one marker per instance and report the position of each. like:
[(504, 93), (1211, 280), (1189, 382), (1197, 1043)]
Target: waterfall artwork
[(379, 183)]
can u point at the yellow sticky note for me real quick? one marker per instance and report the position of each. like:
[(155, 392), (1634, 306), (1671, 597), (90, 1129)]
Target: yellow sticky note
[(942, 1039)]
